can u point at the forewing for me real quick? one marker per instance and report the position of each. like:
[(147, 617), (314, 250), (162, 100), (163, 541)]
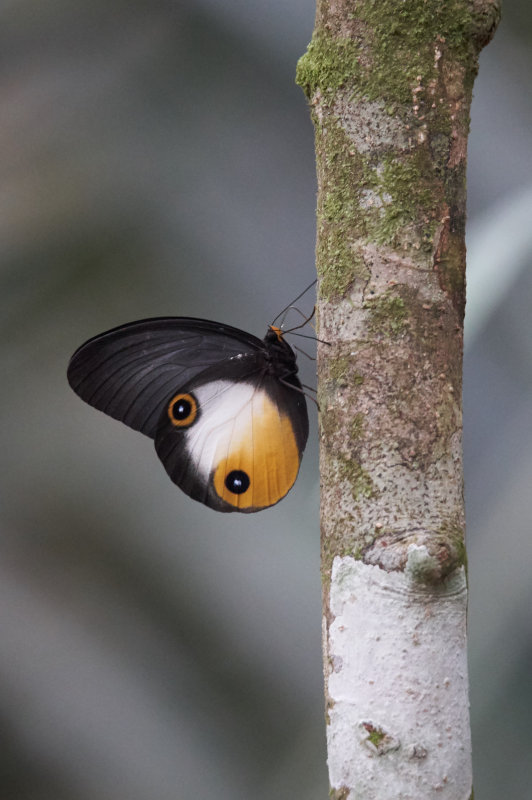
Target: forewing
[(243, 449), (130, 371)]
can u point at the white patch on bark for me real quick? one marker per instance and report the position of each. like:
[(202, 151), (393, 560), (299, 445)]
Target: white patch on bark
[(398, 687), (374, 127)]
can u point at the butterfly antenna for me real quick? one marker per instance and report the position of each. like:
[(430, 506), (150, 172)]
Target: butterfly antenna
[(314, 338), (294, 301), (303, 335), (292, 308), (305, 321)]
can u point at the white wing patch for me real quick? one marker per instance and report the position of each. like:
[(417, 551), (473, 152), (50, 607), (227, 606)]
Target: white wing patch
[(224, 408)]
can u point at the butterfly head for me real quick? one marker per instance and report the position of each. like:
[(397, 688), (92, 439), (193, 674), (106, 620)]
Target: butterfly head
[(274, 331)]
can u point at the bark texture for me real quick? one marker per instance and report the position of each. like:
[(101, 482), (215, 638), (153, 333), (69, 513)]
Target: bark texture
[(390, 84)]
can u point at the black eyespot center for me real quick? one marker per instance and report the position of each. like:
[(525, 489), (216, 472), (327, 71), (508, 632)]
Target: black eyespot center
[(237, 481), (182, 410)]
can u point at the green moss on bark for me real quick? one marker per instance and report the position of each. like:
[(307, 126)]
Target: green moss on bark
[(339, 794), (328, 64), (388, 314), (375, 735), (341, 372), (356, 426), (340, 263), (453, 534), (403, 40), (411, 198), (394, 57), (340, 224), (358, 479)]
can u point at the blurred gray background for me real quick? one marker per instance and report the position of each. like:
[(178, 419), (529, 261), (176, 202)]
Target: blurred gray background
[(157, 159)]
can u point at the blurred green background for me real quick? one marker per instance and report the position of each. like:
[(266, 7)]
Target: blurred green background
[(157, 159)]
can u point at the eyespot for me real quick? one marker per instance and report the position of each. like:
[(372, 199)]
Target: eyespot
[(182, 410), (237, 481)]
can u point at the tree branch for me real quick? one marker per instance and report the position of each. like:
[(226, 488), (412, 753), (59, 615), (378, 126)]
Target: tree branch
[(389, 84)]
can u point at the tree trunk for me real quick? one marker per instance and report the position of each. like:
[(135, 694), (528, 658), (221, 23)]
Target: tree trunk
[(390, 84)]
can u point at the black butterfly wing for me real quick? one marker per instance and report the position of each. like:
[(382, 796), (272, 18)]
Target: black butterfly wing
[(130, 371)]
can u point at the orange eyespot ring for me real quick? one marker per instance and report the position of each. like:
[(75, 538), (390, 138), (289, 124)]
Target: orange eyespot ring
[(182, 410)]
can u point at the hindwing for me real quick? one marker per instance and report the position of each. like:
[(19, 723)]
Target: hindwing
[(236, 445)]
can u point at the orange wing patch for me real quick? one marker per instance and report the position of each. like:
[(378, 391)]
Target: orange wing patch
[(261, 463)]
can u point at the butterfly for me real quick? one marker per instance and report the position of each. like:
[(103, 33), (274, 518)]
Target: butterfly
[(225, 409)]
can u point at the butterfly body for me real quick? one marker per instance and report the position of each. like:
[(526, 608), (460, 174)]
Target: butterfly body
[(225, 409)]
